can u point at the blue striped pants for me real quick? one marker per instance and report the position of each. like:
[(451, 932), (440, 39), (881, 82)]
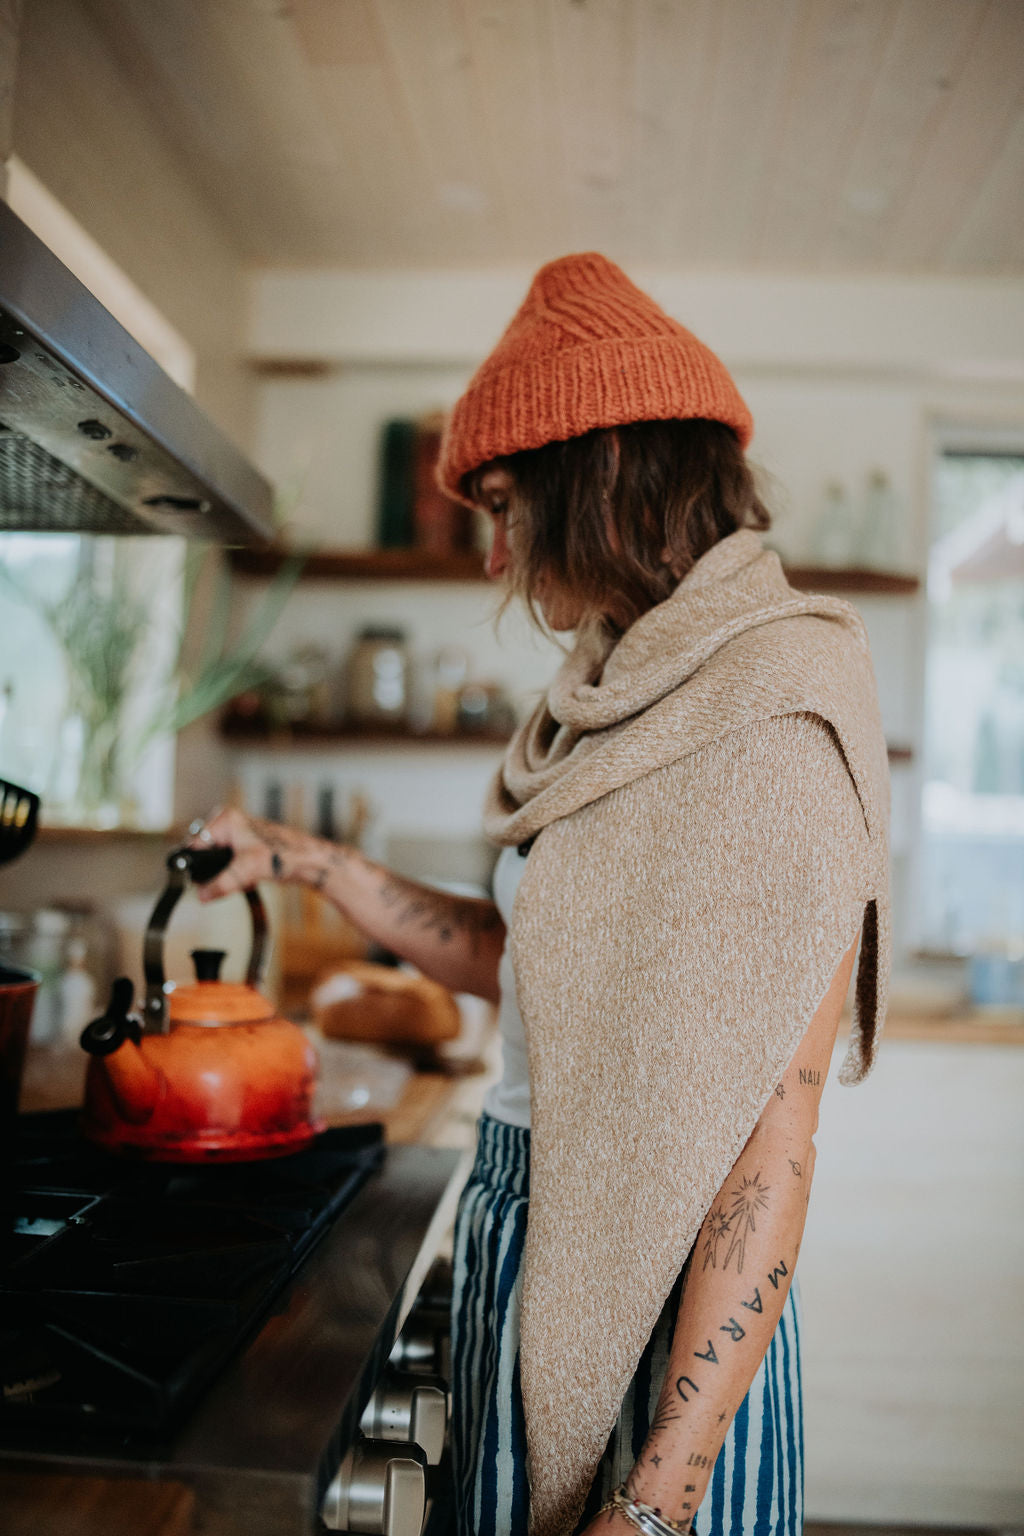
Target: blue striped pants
[(756, 1488)]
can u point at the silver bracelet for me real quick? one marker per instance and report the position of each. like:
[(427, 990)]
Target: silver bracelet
[(651, 1522)]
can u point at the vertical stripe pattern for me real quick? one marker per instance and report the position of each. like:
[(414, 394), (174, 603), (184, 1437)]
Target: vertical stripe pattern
[(756, 1488)]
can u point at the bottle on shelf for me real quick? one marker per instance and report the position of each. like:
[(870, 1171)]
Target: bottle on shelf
[(326, 823), (378, 678), (451, 669), (878, 541), (833, 536)]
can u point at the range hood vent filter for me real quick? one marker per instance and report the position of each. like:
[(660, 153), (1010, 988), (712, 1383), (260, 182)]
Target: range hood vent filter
[(40, 494), (94, 437)]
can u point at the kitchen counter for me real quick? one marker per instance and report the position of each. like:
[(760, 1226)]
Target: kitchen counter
[(954, 1022), (437, 1110), (434, 1109)]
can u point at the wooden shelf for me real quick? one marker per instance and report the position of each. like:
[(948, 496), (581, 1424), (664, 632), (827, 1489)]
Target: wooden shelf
[(333, 736), (349, 736), (366, 564), (420, 565), (813, 578), (56, 832)]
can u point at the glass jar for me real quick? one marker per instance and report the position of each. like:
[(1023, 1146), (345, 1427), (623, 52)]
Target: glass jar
[(378, 678)]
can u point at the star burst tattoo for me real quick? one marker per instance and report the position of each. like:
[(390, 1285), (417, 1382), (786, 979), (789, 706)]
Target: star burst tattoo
[(747, 1199), (718, 1226)]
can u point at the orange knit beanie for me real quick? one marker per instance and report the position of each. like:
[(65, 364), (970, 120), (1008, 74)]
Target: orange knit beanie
[(586, 349)]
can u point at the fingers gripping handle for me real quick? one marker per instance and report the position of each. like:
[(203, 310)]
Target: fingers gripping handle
[(204, 864), (200, 865)]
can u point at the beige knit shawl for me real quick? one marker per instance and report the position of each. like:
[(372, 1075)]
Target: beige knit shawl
[(712, 804)]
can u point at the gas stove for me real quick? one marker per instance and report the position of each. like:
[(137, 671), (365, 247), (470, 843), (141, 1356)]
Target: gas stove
[(215, 1331)]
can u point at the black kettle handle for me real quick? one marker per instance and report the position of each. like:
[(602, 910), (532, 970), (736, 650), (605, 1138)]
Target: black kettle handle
[(107, 1033), (199, 865), (204, 864)]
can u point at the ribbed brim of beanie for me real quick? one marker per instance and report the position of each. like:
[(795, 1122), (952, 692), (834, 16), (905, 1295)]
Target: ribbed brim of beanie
[(586, 349)]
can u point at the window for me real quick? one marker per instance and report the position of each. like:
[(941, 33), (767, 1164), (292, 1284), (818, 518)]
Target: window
[(90, 629), (972, 853)]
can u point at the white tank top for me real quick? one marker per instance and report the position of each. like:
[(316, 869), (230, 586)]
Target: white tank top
[(509, 1098)]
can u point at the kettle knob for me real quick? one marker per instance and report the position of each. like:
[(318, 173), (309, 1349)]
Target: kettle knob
[(208, 963)]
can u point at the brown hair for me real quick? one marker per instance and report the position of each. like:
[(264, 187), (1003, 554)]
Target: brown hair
[(620, 514)]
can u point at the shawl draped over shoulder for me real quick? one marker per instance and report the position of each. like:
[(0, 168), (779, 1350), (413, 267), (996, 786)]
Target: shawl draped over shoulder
[(708, 800)]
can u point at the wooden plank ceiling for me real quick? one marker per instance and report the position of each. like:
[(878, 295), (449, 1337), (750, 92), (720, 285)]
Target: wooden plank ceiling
[(796, 135)]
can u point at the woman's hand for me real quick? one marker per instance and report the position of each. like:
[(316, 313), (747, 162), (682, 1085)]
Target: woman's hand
[(262, 850), (456, 940)]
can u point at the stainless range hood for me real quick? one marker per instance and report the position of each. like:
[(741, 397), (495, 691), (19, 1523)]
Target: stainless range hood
[(94, 437)]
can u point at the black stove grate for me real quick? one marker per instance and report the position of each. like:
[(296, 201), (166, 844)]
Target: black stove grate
[(125, 1287)]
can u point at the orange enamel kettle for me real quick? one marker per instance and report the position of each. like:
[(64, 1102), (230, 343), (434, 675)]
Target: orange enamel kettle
[(209, 1073)]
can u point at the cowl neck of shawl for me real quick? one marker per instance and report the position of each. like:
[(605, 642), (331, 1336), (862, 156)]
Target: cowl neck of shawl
[(613, 710)]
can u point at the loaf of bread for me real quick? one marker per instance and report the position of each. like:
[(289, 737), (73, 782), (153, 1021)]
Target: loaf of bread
[(362, 1001)]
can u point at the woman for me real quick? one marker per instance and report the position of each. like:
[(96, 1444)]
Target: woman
[(694, 827)]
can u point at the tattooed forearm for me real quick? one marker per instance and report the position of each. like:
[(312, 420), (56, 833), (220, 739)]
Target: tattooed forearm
[(456, 940), (436, 912), (692, 1414), (684, 1386)]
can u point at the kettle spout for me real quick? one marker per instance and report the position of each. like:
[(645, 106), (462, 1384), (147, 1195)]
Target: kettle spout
[(113, 1039)]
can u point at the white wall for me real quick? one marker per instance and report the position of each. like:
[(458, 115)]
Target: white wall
[(844, 377), (911, 1280), (954, 327)]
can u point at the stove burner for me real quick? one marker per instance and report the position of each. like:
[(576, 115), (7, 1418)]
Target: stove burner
[(125, 1287)]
